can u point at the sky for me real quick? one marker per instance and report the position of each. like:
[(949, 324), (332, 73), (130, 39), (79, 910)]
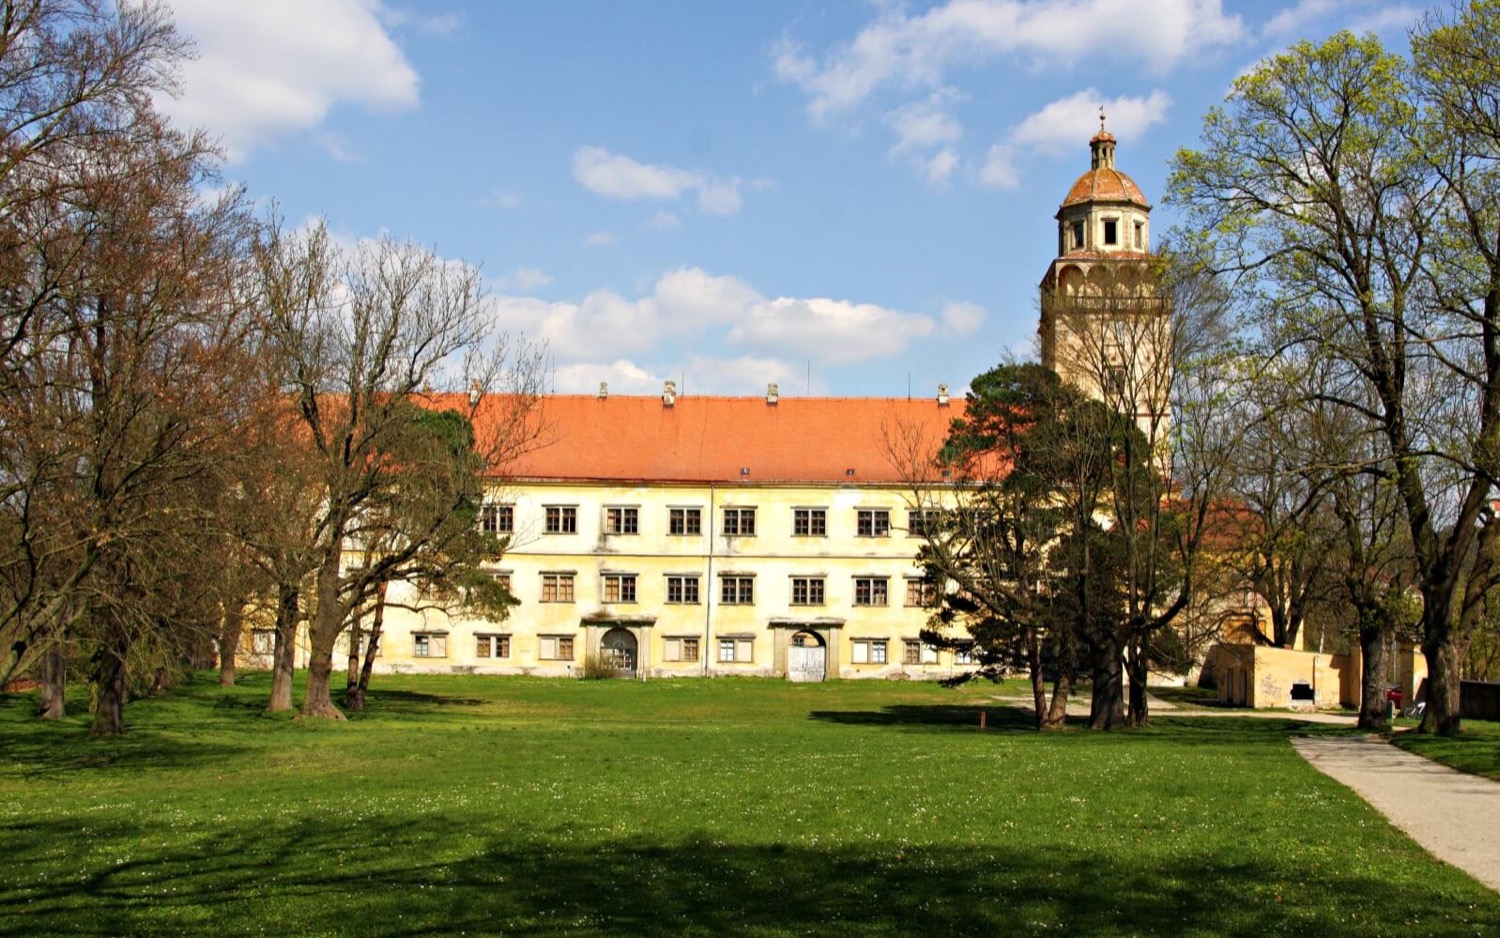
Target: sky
[(845, 197)]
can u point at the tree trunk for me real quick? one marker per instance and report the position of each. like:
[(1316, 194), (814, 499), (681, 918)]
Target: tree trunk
[(1444, 671), (1107, 709), (1375, 666), (284, 656), (109, 684), (355, 699), (231, 627), (1138, 663), (54, 683), (1057, 713), (1038, 681), (323, 632)]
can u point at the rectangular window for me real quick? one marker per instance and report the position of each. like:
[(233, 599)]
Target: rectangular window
[(871, 591), (1077, 235), (562, 519), (429, 645), (619, 587), (683, 649), (497, 519), (684, 521), (807, 591), (622, 520), (682, 589), (502, 580), (873, 522), (911, 652), (964, 654), (810, 522), (920, 592), (557, 587), (737, 590), (922, 522), (1111, 232), (491, 646), (739, 522), (736, 649), (868, 651), (556, 648), (1140, 236)]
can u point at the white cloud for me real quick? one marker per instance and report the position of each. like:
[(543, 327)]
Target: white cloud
[(962, 318), (499, 198), (617, 176), (337, 147), (999, 170), (524, 278), (940, 166), (439, 24), (663, 220), (1356, 15), (924, 124), (693, 304), (277, 67), (622, 375), (700, 375), (601, 239), (905, 51), (1060, 125)]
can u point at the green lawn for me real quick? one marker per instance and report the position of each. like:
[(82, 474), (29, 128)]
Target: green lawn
[(533, 807), (1476, 749)]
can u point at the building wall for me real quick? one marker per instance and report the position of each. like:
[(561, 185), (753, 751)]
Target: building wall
[(1261, 677), (851, 564)]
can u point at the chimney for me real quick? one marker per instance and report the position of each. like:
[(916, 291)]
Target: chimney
[(772, 393), (942, 395), (603, 390), (476, 391), (669, 394)]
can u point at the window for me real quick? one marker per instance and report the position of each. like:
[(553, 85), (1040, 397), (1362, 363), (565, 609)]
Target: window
[(807, 591), (682, 589), (684, 649), (869, 651), (1111, 231), (873, 522), (736, 649), (557, 587), (871, 591), (497, 519), (914, 652), (685, 521), (491, 646), (429, 645), (622, 520), (810, 522), (964, 654), (557, 648), (619, 587), (739, 522), (262, 641), (737, 590), (1140, 236), (920, 522), (1077, 235), (502, 580), (920, 592), (562, 519)]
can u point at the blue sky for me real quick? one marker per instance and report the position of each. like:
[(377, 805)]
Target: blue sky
[(846, 197)]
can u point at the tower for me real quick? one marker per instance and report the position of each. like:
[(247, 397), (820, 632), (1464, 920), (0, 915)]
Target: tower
[(1105, 329)]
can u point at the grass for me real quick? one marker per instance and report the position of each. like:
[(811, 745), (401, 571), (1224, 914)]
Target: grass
[(1476, 749), (757, 808)]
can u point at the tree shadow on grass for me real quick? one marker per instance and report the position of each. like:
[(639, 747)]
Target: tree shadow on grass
[(934, 718), (388, 875)]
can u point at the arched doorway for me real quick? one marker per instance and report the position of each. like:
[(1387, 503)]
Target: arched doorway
[(619, 647), (806, 657)]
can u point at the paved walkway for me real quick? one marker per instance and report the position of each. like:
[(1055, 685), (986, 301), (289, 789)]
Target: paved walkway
[(1454, 815)]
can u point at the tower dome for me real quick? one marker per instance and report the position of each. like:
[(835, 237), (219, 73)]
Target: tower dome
[(1104, 211)]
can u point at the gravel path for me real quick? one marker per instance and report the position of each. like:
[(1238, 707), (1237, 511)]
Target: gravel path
[(1454, 815)]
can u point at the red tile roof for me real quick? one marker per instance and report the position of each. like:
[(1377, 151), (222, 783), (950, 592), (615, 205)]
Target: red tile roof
[(711, 439), (1105, 184)]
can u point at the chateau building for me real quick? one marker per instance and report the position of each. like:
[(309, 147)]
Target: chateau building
[(773, 536)]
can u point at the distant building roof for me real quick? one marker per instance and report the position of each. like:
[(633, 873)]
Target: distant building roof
[(631, 438)]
